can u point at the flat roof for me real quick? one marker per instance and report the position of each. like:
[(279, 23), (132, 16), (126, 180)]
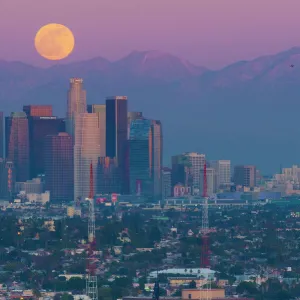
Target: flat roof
[(116, 98)]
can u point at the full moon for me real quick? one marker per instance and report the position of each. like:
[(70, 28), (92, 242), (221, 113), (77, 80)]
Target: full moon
[(54, 41)]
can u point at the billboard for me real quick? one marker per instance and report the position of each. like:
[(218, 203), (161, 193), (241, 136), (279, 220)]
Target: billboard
[(138, 187), (114, 198), (180, 190), (100, 200)]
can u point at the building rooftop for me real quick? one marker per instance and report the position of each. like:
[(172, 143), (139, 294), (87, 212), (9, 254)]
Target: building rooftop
[(116, 98)]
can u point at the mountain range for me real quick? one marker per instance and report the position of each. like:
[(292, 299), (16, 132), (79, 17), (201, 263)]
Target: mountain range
[(247, 112)]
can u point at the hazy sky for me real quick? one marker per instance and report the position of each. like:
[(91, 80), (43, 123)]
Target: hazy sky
[(212, 33)]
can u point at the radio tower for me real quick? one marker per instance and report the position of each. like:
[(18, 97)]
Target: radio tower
[(9, 166), (91, 280), (205, 231)]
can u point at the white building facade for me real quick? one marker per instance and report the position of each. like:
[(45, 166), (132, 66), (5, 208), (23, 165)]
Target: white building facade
[(197, 161), (76, 104), (86, 151), (222, 172)]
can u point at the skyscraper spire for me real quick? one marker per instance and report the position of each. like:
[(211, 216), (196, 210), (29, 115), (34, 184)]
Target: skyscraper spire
[(76, 104)]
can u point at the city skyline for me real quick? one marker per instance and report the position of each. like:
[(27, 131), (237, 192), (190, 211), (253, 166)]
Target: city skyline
[(56, 153), (149, 150), (260, 86), (132, 163)]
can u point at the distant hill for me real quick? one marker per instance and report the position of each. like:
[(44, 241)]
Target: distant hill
[(247, 112)]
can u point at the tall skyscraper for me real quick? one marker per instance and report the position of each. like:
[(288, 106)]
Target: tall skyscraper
[(223, 172), (76, 104), (1, 135), (116, 127), (100, 110), (38, 110), (116, 135), (145, 158), (59, 167), (86, 150), (166, 182), (17, 144), (245, 175), (39, 128), (133, 115)]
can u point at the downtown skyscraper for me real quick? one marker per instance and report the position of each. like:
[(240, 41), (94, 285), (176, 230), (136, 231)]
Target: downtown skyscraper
[(244, 175), (76, 104), (86, 151), (59, 166), (41, 123), (145, 156), (116, 136), (132, 115), (100, 110), (191, 162), (17, 144), (223, 172)]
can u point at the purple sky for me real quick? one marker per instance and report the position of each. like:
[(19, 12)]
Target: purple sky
[(212, 33)]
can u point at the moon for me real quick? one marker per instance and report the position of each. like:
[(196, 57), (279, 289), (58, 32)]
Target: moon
[(54, 41)]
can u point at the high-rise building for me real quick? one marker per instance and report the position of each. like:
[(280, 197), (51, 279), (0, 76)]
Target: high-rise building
[(145, 158), (157, 157), (1, 135), (86, 151), (76, 104), (7, 179), (116, 127), (41, 123), (116, 135), (108, 176), (259, 179), (192, 161), (210, 179), (59, 168), (197, 161), (17, 144), (178, 175), (38, 110), (133, 115), (166, 185), (245, 175), (39, 128), (100, 110), (223, 172)]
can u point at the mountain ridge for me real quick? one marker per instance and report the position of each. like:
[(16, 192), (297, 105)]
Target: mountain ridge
[(223, 113)]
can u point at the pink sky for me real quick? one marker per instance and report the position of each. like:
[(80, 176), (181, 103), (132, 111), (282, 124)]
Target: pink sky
[(211, 33)]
